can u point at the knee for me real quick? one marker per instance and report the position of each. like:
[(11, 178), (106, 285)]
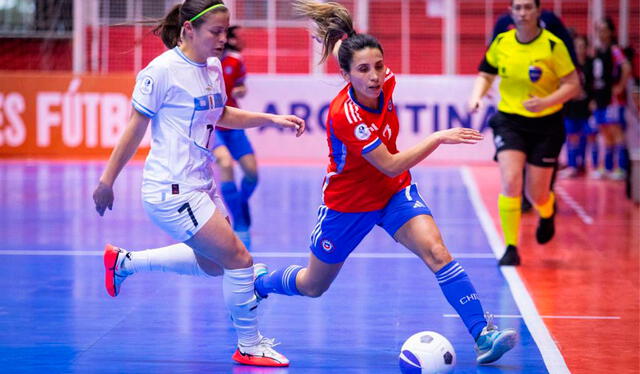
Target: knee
[(314, 291), (436, 255), (241, 258), (224, 161)]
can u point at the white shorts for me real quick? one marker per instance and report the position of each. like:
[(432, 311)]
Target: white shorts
[(182, 215)]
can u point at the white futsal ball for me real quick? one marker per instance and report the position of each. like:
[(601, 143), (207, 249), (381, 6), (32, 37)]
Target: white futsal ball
[(427, 352)]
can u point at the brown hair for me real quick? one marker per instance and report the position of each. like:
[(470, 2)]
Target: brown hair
[(333, 23), (169, 27)]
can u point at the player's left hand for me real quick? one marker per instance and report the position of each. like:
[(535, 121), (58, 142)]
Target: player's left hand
[(291, 122), (458, 135), (535, 104)]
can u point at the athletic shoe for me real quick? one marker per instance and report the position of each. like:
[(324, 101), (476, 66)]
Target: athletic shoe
[(244, 237), (598, 173), (569, 172), (493, 343), (510, 257), (546, 228), (261, 354), (259, 270), (113, 272), (617, 175)]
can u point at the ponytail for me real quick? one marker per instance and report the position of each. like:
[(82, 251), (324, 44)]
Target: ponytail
[(169, 28), (333, 23)]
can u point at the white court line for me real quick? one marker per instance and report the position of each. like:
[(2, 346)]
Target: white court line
[(574, 205), (383, 255), (548, 349), (545, 317)]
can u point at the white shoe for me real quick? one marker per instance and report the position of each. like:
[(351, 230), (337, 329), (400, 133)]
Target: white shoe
[(261, 354), (617, 175), (597, 173), (114, 275), (569, 172)]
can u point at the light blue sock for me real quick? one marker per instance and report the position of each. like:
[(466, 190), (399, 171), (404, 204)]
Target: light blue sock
[(282, 281), (457, 288)]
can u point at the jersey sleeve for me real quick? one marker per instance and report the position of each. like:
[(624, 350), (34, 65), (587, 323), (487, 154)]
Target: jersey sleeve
[(150, 90), (489, 63), (352, 132), (562, 60)]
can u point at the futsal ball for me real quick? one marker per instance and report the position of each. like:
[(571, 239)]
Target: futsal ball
[(427, 352)]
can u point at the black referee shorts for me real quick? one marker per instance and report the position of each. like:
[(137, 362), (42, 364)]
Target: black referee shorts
[(541, 138)]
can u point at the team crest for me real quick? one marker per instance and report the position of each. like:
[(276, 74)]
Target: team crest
[(147, 85), (535, 72), (390, 105), (362, 132), (327, 245)]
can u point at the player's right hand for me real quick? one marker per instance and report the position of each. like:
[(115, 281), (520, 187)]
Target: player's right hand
[(103, 198)]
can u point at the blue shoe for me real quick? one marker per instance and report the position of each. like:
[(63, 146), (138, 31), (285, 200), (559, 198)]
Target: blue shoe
[(259, 270), (493, 343)]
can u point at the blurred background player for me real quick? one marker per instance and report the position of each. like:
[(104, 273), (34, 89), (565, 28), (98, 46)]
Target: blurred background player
[(368, 183), (611, 72), (233, 144), (580, 132), (537, 77)]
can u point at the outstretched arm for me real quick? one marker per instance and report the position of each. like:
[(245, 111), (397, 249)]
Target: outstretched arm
[(394, 164), (234, 118), (124, 150)]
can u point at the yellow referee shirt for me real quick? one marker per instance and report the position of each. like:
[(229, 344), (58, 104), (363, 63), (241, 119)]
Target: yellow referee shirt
[(527, 69)]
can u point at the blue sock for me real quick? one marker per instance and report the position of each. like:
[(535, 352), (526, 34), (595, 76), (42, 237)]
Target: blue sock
[(247, 186), (623, 157), (608, 158), (282, 281), (572, 155), (232, 198), (582, 152), (457, 288), (595, 156)]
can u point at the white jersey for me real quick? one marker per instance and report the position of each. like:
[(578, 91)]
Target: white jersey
[(184, 101)]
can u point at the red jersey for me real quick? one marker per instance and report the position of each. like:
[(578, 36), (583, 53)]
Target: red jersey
[(352, 184), (234, 73)]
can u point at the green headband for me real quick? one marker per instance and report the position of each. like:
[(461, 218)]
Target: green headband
[(206, 10)]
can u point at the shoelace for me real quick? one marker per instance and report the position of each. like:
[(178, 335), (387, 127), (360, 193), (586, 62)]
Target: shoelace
[(270, 343), (490, 325)]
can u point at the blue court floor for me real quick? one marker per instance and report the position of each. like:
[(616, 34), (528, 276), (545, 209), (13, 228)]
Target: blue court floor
[(56, 317)]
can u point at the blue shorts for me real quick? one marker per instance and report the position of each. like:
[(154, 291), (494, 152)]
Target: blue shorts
[(613, 114), (236, 142), (337, 234), (579, 126)]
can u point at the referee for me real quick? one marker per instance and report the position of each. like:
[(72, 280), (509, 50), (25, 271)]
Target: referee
[(537, 77)]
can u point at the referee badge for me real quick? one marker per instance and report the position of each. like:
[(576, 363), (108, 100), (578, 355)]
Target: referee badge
[(535, 72)]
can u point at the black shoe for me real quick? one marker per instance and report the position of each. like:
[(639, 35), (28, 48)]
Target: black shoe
[(510, 257), (546, 229)]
